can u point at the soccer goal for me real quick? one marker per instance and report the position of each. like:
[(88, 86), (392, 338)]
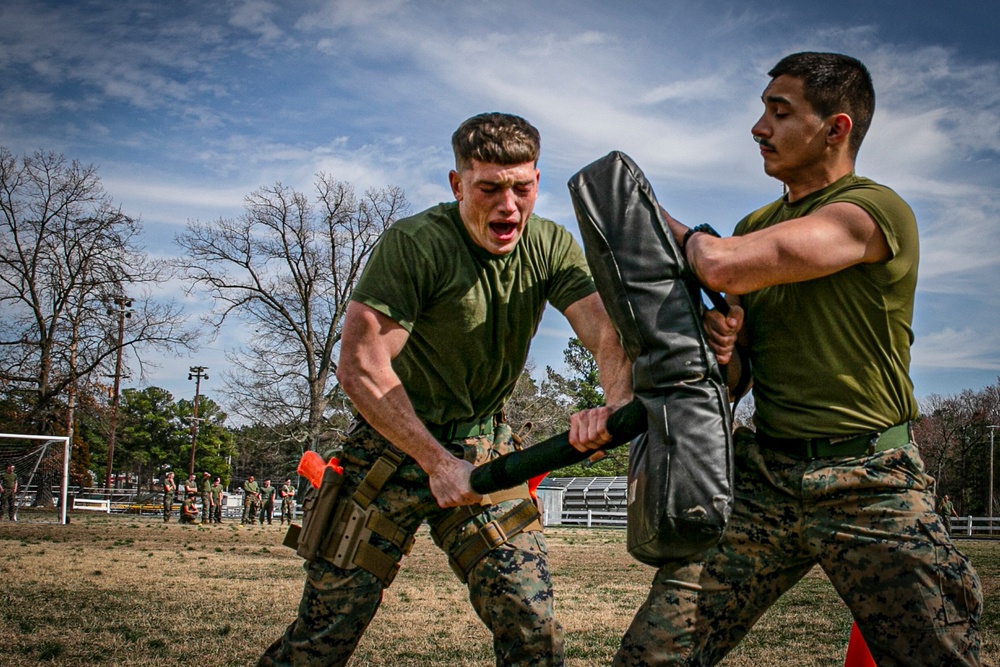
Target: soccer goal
[(26, 453)]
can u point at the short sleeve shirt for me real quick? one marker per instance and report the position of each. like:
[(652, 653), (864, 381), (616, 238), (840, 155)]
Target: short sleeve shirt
[(470, 314), (831, 356)]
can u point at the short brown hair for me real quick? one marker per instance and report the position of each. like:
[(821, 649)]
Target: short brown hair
[(834, 83), (496, 138)]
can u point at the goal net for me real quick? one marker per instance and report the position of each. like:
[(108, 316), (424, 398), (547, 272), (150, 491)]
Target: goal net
[(25, 454)]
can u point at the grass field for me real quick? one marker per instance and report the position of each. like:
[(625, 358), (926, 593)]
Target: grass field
[(133, 592)]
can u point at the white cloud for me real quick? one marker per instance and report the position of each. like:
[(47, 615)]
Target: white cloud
[(957, 348)]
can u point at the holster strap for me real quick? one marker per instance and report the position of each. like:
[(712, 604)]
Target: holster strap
[(465, 555), (443, 530), (388, 529), (383, 468), (377, 562)]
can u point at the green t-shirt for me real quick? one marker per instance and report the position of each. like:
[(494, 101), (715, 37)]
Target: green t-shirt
[(217, 492), (9, 481), (471, 315), (206, 486), (267, 494), (831, 356), (251, 487)]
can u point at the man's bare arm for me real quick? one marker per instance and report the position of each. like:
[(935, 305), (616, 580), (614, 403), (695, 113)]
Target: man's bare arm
[(369, 342), (822, 243), (590, 322)]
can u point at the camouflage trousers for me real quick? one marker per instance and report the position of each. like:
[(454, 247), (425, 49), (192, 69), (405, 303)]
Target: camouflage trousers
[(8, 504), (206, 508), (250, 508), (286, 511), (168, 506), (510, 589), (868, 521)]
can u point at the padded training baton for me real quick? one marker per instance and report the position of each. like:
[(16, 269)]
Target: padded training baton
[(518, 467)]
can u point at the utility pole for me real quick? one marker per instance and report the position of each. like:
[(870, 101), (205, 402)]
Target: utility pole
[(992, 429), (123, 307), (195, 373)]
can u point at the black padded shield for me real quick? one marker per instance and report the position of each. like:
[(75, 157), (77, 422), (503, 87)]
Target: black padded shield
[(680, 472)]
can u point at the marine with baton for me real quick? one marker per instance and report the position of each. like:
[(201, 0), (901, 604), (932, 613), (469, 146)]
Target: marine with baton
[(434, 340)]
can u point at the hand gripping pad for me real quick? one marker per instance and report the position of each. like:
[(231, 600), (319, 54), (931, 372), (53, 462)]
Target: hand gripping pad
[(680, 470)]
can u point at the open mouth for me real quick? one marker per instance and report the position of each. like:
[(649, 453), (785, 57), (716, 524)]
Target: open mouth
[(503, 230)]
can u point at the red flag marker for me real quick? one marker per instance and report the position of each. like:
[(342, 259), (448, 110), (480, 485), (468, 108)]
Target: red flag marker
[(857, 650)]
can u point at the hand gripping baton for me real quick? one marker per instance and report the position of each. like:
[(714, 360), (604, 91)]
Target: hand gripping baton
[(515, 468)]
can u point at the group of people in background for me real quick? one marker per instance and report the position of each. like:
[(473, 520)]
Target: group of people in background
[(258, 501)]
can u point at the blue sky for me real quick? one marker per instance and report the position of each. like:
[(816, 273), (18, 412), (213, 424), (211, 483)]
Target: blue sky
[(187, 106)]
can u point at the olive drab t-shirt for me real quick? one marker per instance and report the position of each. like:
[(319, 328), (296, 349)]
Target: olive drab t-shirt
[(471, 315), (831, 356)]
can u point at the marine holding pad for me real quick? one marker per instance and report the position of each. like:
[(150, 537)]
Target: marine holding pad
[(680, 471)]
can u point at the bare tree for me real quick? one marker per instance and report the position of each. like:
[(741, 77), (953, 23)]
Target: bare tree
[(286, 268), (66, 252)]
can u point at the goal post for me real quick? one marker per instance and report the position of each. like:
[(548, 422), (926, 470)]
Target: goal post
[(25, 453)]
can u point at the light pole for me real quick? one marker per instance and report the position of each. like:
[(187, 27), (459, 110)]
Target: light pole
[(992, 429), (123, 307), (195, 373)]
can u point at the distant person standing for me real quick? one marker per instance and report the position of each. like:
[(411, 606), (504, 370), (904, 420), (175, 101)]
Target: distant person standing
[(169, 489), (267, 502), (946, 509), (217, 500), (206, 498), (190, 485), (287, 493), (8, 493), (251, 500)]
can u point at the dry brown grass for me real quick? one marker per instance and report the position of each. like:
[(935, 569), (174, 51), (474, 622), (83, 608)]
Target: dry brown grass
[(132, 592)]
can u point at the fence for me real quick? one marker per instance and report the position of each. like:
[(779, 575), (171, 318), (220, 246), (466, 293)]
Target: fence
[(565, 501), (131, 501), (603, 502)]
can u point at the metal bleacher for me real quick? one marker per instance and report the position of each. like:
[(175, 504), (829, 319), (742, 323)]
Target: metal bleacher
[(584, 501)]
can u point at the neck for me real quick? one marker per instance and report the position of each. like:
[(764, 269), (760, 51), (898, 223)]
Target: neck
[(815, 180)]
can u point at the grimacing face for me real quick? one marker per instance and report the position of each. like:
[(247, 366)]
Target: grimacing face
[(495, 202)]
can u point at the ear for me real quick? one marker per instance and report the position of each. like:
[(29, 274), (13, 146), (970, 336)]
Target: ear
[(456, 184), (840, 128)]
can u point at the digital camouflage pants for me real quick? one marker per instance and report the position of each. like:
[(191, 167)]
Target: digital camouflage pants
[(510, 589), (206, 508), (868, 521), (8, 504)]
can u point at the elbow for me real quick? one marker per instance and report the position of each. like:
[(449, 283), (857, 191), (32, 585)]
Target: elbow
[(716, 272), (348, 377)]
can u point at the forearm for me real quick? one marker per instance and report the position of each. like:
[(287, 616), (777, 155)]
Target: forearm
[(593, 326), (615, 370), (386, 407)]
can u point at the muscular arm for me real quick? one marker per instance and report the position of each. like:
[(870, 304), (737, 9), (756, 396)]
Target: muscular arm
[(593, 327), (824, 242), (368, 345)]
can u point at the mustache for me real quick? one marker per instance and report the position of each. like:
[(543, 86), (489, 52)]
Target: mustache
[(763, 142)]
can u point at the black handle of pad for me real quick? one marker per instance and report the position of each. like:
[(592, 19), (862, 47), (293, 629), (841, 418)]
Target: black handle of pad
[(516, 468)]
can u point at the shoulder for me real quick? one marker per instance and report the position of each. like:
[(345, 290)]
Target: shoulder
[(886, 208), (435, 223)]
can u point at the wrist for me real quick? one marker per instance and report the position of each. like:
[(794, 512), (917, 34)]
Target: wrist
[(697, 229)]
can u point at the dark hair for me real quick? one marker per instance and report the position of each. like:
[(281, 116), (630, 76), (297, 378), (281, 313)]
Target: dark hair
[(497, 138), (834, 83)]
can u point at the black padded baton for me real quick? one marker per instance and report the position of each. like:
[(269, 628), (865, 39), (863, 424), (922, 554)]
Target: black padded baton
[(516, 468)]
